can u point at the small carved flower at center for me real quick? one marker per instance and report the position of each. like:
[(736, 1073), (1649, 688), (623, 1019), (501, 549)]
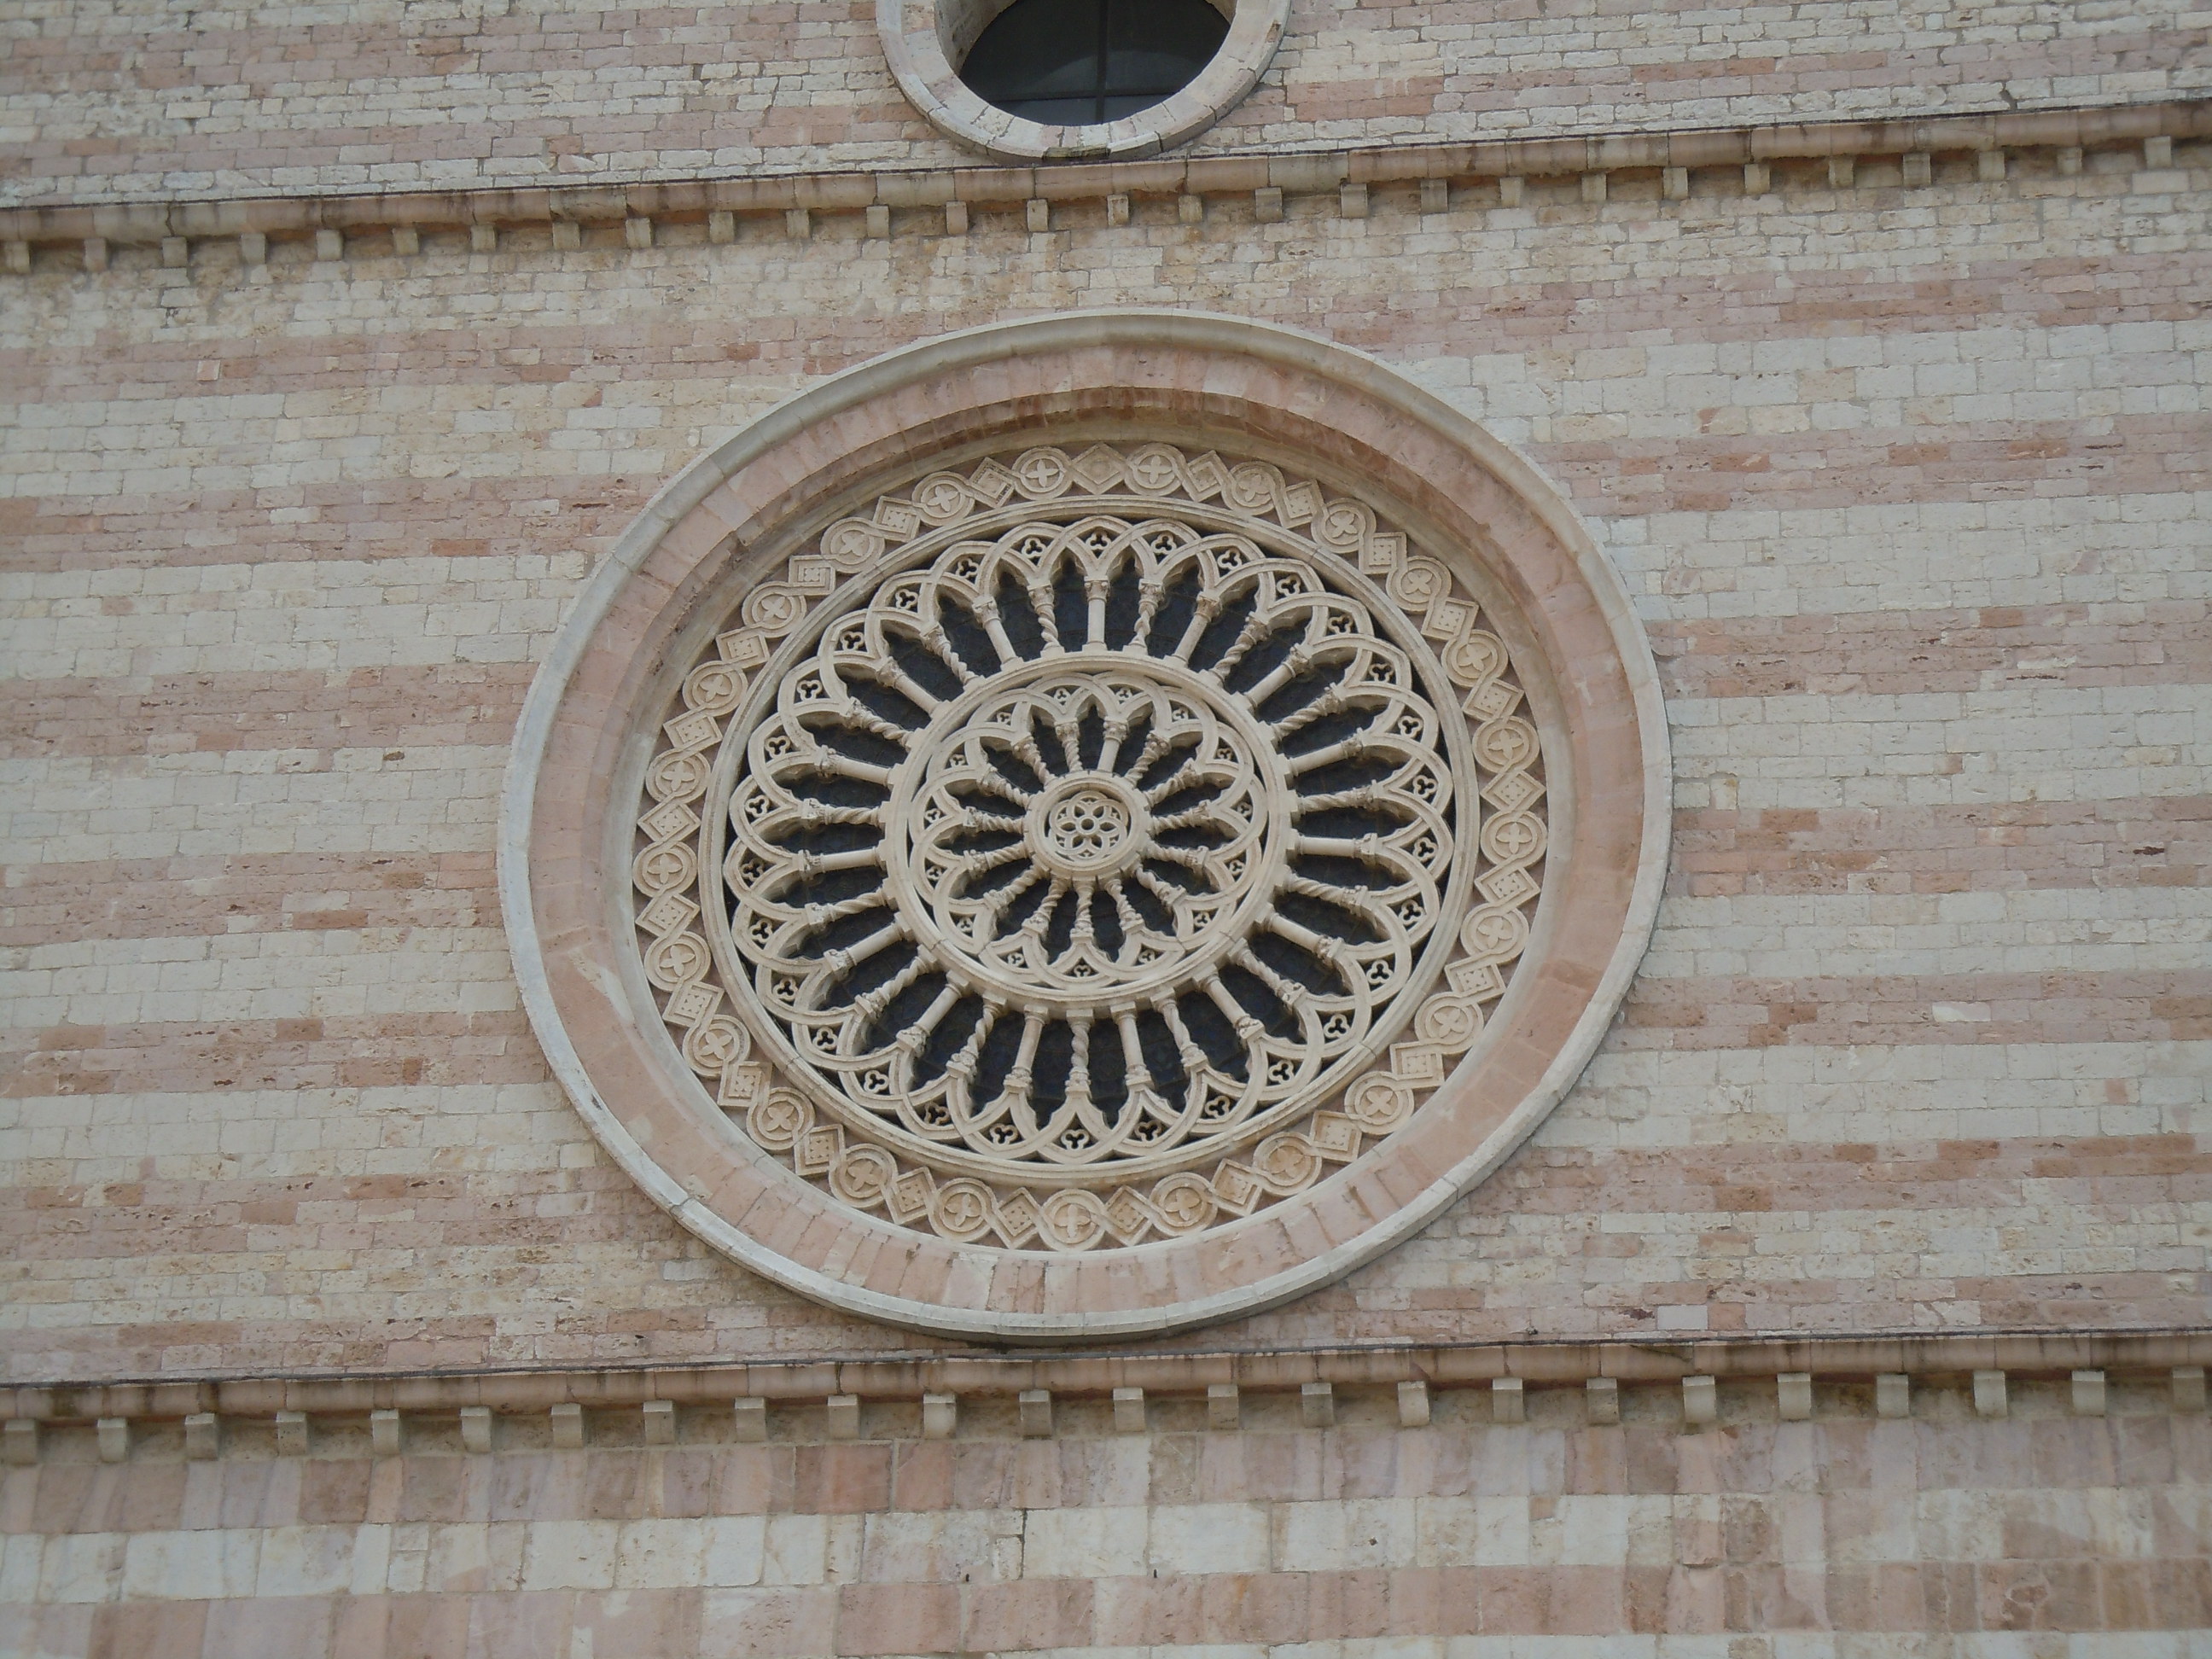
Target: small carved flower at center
[(1088, 827)]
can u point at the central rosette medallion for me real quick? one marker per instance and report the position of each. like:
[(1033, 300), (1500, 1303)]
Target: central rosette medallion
[(1084, 823), (1087, 828)]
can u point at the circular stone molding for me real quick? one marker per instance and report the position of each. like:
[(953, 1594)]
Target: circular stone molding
[(1085, 828), (926, 41)]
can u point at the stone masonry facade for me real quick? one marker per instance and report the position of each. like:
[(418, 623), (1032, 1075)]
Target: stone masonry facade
[(1905, 458), (267, 98), (1845, 1535)]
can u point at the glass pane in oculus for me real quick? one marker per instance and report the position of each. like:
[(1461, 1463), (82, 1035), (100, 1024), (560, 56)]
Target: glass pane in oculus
[(1075, 63)]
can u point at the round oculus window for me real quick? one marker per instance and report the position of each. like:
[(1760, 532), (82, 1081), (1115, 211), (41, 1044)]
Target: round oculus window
[(1081, 63), (1070, 79)]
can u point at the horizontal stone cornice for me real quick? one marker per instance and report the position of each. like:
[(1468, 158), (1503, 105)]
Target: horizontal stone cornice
[(1310, 172), (2026, 1354)]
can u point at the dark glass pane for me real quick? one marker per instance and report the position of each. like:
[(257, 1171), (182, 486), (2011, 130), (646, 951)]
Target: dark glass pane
[(1075, 62), (1064, 111)]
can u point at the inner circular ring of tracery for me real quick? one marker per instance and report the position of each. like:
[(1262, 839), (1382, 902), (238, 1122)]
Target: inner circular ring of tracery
[(1136, 839)]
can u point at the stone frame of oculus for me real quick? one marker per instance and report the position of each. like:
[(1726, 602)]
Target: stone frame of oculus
[(927, 43), (1085, 828)]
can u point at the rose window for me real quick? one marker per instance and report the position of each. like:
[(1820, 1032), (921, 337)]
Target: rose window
[(1125, 849)]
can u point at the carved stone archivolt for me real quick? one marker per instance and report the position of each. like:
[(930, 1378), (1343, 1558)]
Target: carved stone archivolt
[(1081, 849)]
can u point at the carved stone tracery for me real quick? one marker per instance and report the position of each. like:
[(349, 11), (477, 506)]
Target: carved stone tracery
[(1143, 836)]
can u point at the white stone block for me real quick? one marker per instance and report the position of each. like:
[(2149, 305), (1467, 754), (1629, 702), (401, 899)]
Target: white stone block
[(1892, 1394), (1129, 1410), (1508, 1400), (2088, 1393), (1414, 1405), (1989, 1393), (1794, 1395), (1036, 1409), (1601, 1398), (1223, 1406), (1317, 1405), (1700, 1400)]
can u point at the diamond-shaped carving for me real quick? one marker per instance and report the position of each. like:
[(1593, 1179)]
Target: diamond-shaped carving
[(669, 821), (1334, 1136), (1383, 553), (1508, 887), (670, 913), (1237, 1188), (1017, 1217), (818, 1149), (1097, 468), (909, 1195), (896, 519), (1447, 618), (1492, 699), (1417, 1062), (1128, 1215), (992, 482), (689, 1004), (1514, 791), (743, 1084), (694, 729), (741, 646)]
